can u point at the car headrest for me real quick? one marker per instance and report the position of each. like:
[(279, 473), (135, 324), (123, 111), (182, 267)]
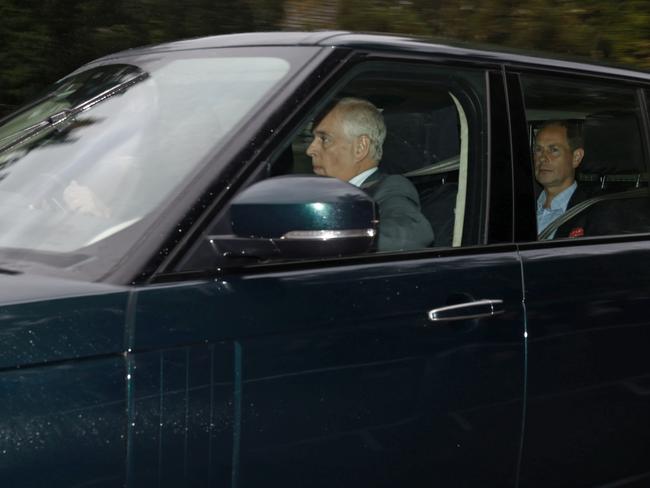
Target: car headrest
[(418, 139), (613, 144)]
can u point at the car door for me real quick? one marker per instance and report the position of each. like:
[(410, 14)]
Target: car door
[(321, 376), (356, 387), (330, 372), (587, 389)]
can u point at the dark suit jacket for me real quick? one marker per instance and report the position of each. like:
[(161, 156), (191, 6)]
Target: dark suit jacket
[(605, 218), (401, 224), (573, 226)]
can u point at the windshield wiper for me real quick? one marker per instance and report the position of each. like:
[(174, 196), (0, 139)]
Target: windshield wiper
[(58, 118)]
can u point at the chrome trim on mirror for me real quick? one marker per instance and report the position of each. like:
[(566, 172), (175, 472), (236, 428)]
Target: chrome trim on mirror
[(326, 235)]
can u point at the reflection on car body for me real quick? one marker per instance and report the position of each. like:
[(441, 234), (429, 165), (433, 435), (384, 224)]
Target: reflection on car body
[(202, 310)]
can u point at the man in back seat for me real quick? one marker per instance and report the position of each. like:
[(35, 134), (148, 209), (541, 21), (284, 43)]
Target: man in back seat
[(558, 151), (348, 145)]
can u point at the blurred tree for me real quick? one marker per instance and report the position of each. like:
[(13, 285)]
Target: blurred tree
[(267, 14), (21, 63), (600, 29), (43, 40), (382, 16), (310, 14), (626, 37)]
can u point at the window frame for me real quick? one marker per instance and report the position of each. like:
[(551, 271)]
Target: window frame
[(637, 87), (356, 63)]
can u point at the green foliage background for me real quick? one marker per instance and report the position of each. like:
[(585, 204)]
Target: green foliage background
[(45, 39)]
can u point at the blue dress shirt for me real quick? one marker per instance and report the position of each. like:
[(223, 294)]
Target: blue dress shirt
[(558, 206)]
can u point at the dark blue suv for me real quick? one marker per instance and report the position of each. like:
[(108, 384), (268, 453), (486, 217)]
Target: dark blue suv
[(184, 304)]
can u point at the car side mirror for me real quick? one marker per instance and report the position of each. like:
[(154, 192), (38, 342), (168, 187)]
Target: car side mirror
[(299, 217)]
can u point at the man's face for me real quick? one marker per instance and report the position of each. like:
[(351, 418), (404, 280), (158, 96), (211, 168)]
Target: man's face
[(332, 152), (555, 162)]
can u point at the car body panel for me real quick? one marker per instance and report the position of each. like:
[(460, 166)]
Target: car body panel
[(49, 319), (588, 367), (64, 424), (62, 382)]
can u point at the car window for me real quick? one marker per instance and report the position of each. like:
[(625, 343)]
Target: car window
[(588, 157), (101, 148), (433, 140), (105, 147)]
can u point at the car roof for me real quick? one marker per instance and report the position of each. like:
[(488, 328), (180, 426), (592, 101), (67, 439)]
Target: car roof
[(387, 43)]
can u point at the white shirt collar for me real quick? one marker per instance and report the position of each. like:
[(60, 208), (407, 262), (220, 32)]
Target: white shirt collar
[(361, 177), (561, 200)]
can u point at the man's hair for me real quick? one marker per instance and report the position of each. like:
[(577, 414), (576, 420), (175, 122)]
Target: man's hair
[(360, 117), (573, 131)]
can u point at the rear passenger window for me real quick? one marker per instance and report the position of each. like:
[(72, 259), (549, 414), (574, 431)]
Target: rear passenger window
[(589, 159)]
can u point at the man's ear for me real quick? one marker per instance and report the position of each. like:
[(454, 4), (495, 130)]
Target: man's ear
[(361, 147), (578, 154)]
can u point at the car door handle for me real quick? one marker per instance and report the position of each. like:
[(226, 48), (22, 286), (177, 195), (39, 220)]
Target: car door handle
[(470, 310)]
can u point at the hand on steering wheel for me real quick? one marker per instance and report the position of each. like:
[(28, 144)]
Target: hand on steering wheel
[(80, 198)]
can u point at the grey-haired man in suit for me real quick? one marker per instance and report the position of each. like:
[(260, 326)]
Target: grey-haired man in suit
[(348, 145)]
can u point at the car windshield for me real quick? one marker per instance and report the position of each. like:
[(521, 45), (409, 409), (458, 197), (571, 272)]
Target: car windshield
[(107, 145)]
